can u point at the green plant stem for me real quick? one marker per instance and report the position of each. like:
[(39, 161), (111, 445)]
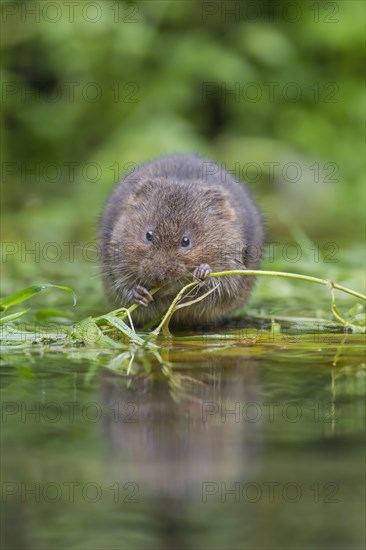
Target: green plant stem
[(164, 324), (123, 312), (170, 310), (324, 282)]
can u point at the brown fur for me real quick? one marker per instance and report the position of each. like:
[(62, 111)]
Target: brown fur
[(173, 196)]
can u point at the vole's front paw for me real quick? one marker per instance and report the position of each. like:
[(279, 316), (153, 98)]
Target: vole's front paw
[(202, 271), (141, 296)]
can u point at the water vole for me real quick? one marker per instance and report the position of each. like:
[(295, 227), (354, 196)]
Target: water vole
[(177, 214)]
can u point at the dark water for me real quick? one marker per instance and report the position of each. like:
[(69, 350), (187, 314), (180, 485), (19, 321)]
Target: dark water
[(222, 446)]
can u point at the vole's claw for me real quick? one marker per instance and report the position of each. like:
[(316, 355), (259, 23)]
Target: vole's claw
[(202, 271), (141, 296)]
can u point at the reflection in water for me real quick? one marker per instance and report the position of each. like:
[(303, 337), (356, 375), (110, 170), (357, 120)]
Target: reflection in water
[(182, 439), (192, 447), (175, 433)]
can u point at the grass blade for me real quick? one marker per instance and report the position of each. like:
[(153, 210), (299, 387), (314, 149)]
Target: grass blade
[(13, 316), (29, 292)]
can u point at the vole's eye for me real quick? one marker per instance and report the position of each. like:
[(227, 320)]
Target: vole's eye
[(185, 241), (149, 235)]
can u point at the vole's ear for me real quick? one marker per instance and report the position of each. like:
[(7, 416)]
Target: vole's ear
[(217, 201), (144, 189)]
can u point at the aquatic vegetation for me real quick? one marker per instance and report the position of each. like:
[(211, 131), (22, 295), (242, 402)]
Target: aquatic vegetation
[(115, 329)]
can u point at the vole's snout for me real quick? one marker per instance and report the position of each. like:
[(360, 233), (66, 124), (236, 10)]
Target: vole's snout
[(155, 271), (157, 276)]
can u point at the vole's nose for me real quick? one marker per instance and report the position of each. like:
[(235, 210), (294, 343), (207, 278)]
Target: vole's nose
[(158, 276)]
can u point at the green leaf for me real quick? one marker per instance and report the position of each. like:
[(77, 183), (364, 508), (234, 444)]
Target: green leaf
[(88, 331), (355, 310), (125, 329), (359, 319), (13, 316), (30, 291)]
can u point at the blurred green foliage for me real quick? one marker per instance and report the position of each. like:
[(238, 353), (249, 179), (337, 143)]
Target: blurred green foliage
[(90, 90)]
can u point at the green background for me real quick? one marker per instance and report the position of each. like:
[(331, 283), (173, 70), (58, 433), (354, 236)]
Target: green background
[(274, 90)]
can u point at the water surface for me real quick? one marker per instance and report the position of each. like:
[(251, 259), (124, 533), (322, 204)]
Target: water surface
[(212, 443)]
